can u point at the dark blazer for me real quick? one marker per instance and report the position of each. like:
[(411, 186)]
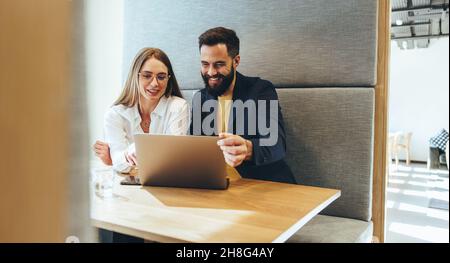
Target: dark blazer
[(268, 161)]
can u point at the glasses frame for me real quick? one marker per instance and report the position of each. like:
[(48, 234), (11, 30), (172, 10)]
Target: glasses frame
[(147, 81)]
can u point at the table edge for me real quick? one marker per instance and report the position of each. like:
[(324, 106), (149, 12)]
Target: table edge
[(299, 224)]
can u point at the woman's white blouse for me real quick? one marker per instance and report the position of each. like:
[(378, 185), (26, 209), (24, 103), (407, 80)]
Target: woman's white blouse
[(171, 116)]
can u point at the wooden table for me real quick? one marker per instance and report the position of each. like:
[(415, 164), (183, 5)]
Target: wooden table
[(249, 211)]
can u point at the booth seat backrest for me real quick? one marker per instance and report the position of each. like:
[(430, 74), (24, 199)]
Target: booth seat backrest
[(330, 143)]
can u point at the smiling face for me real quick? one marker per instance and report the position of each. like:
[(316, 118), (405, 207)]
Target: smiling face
[(153, 79), (217, 68)]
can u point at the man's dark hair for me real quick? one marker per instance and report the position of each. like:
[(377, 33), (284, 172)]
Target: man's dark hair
[(220, 35)]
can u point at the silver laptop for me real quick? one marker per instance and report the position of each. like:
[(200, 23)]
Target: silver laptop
[(180, 161)]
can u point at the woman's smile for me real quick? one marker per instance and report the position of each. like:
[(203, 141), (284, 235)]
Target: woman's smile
[(152, 92)]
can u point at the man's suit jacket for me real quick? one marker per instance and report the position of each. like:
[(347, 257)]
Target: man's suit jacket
[(268, 161)]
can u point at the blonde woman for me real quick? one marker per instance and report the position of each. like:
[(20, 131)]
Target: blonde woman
[(151, 102)]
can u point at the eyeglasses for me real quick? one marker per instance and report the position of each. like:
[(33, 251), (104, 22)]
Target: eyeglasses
[(148, 77)]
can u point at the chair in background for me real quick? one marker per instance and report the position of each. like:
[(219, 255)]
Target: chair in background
[(446, 154), (438, 150), (402, 141)]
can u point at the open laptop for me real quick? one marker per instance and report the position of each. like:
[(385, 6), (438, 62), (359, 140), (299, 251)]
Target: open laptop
[(180, 161)]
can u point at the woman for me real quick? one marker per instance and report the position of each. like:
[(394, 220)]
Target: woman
[(151, 102)]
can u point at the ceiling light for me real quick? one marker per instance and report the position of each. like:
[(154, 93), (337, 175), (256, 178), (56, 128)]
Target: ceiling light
[(398, 22)]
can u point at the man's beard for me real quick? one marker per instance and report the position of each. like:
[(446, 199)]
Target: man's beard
[(223, 86)]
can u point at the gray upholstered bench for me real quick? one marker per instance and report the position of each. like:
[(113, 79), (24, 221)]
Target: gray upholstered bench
[(332, 229), (330, 138)]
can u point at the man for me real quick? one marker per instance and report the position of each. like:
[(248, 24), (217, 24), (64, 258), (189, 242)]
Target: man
[(248, 150)]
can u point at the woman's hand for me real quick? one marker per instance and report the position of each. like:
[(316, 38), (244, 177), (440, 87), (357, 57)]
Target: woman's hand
[(101, 150), (131, 158)]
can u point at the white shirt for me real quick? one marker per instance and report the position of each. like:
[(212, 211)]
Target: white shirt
[(171, 116)]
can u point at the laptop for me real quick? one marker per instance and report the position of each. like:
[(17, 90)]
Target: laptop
[(180, 161)]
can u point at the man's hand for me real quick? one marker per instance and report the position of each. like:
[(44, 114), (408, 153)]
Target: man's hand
[(235, 148), (101, 150)]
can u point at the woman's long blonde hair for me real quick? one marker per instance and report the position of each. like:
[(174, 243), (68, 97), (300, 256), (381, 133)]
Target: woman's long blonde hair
[(130, 93)]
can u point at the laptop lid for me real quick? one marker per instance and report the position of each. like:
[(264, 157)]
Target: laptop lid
[(180, 161)]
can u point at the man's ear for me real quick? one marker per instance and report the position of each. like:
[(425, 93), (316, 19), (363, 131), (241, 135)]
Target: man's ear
[(237, 60)]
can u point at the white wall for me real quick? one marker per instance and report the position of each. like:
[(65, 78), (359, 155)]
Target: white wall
[(418, 93), (104, 49)]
